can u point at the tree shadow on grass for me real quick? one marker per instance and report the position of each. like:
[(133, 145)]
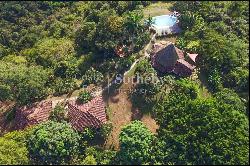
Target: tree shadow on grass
[(139, 107), (111, 92)]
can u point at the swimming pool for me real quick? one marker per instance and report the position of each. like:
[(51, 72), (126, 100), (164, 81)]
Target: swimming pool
[(164, 20), (165, 24)]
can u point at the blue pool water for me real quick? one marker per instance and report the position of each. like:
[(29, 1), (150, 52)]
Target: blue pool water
[(164, 20)]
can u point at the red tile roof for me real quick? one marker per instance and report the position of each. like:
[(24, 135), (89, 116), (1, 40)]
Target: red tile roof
[(33, 114), (91, 114)]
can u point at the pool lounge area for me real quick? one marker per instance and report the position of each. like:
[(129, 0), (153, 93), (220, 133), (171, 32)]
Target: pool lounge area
[(165, 24)]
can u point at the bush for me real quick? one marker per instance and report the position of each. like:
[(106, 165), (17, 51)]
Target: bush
[(58, 114), (215, 81), (67, 69), (5, 91), (63, 86), (230, 98), (102, 157), (238, 79), (84, 97), (10, 115), (92, 76), (187, 87), (124, 63), (87, 134), (53, 143), (89, 160), (105, 130)]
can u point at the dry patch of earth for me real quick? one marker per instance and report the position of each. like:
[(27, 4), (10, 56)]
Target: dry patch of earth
[(122, 113)]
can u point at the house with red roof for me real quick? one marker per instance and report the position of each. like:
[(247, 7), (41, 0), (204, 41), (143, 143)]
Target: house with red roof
[(32, 114), (91, 114), (170, 59)]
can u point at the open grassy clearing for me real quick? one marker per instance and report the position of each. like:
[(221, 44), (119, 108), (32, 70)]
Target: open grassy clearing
[(159, 8), (122, 112)]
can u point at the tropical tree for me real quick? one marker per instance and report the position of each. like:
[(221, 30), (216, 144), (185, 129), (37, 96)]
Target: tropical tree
[(53, 143), (200, 131), (13, 148), (13, 153), (23, 84), (230, 98), (136, 143)]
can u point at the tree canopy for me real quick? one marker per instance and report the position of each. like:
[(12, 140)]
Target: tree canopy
[(136, 142), (53, 143), (201, 130)]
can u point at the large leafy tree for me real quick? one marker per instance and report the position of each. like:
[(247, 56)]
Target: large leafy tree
[(231, 99), (53, 143), (48, 52), (220, 35), (135, 143), (201, 131), (12, 153), (13, 148), (147, 86), (107, 25), (21, 83)]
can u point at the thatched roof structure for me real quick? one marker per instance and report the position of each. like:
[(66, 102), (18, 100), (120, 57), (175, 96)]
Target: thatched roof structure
[(170, 59)]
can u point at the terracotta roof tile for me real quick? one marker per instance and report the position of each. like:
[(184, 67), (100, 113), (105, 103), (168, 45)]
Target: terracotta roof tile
[(33, 114), (91, 114)]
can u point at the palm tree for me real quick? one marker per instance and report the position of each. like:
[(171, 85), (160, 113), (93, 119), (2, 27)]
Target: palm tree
[(133, 25), (150, 21)]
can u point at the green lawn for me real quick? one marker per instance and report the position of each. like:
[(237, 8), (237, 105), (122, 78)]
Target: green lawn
[(158, 8)]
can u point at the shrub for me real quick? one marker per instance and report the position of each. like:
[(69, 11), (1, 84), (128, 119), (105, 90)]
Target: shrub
[(62, 86), (215, 81), (105, 130), (58, 114), (92, 76), (89, 160), (84, 97), (187, 87), (102, 157), (124, 63)]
